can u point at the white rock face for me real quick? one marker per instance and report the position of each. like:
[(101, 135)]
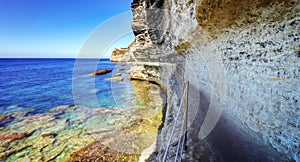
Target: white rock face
[(120, 55), (244, 53)]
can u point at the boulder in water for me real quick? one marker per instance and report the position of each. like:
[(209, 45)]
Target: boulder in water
[(100, 72)]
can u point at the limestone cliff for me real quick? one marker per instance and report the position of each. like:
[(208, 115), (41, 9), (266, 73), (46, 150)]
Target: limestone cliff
[(244, 55), (120, 55)]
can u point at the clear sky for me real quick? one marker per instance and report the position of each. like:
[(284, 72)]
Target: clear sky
[(54, 28)]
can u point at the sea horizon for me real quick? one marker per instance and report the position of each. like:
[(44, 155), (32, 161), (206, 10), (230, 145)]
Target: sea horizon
[(44, 83)]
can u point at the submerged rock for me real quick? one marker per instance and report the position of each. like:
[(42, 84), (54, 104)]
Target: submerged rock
[(49, 135), (13, 136), (115, 79), (104, 111), (5, 119), (74, 133), (42, 117), (100, 72), (121, 69), (61, 108), (126, 144), (118, 74), (96, 151)]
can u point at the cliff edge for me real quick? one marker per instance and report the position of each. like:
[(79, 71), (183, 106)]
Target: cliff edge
[(240, 57)]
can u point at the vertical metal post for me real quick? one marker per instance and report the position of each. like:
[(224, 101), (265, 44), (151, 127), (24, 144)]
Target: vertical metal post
[(186, 114)]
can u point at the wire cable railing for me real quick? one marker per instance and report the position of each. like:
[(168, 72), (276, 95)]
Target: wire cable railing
[(183, 127), (180, 141)]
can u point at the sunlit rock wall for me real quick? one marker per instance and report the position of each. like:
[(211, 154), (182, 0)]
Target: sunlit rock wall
[(251, 47), (120, 55)]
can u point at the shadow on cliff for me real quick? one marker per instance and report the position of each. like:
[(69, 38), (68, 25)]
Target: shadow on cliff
[(229, 140)]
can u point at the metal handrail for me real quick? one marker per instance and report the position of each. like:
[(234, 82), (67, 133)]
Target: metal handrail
[(184, 125), (172, 132), (181, 137)]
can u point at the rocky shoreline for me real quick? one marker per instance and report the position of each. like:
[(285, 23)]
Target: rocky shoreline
[(244, 61), (78, 133)]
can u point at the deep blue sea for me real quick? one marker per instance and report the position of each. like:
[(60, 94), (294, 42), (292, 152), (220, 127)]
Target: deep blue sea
[(41, 84)]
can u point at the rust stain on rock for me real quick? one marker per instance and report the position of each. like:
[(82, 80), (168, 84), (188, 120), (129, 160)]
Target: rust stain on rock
[(215, 16)]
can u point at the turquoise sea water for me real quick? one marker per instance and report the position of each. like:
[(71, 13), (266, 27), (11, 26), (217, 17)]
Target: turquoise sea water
[(41, 84)]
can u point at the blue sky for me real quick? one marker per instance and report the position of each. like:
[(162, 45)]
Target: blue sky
[(54, 28)]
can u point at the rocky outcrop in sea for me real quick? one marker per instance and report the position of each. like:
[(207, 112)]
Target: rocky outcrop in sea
[(120, 55), (100, 72)]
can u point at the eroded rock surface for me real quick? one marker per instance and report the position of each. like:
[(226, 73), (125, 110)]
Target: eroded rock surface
[(247, 49), (120, 55)]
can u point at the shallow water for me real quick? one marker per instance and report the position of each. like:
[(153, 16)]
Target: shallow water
[(79, 133), (121, 117)]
